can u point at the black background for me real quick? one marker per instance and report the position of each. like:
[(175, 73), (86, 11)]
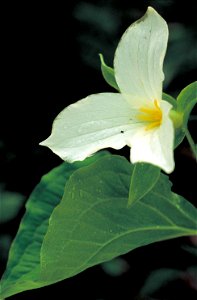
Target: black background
[(48, 64)]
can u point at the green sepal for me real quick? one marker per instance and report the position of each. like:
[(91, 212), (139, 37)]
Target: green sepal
[(108, 73), (186, 101), (187, 97)]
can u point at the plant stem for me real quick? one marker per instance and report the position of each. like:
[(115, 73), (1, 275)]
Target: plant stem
[(191, 143)]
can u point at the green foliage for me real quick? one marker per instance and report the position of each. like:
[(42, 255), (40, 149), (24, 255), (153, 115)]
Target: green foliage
[(23, 268), (144, 177), (95, 221), (187, 95), (93, 224), (186, 101), (108, 73)]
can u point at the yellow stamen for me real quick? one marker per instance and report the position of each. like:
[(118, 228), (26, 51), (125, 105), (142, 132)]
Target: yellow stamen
[(151, 116)]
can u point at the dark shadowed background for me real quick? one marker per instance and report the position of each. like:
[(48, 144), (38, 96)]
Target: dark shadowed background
[(50, 59)]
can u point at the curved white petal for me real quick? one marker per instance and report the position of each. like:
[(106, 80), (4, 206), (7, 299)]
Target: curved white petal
[(139, 58), (96, 122), (155, 146)]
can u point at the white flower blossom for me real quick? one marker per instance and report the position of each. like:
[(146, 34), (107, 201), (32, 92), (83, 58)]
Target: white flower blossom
[(137, 116)]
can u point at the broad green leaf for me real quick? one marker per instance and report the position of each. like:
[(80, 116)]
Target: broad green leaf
[(108, 73), (11, 202), (144, 177), (23, 268), (93, 224)]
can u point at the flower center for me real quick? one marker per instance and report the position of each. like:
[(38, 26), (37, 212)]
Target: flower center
[(151, 116)]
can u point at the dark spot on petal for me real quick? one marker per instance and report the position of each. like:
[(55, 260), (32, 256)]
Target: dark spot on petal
[(122, 131)]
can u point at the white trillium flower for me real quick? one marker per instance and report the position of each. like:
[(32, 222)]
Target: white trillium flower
[(137, 116)]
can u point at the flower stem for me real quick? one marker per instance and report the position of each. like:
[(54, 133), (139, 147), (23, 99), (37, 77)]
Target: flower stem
[(191, 143)]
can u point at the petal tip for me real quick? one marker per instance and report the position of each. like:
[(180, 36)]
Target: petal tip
[(43, 143), (169, 166), (150, 9)]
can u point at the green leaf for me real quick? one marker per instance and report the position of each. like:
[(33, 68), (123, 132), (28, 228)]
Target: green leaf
[(93, 224), (108, 73), (186, 96), (144, 177), (186, 101), (23, 268), (188, 110)]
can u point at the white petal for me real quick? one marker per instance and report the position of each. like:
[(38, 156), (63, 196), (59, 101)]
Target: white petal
[(96, 122), (155, 146), (139, 58)]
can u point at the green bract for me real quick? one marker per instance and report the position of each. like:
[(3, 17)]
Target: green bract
[(108, 73)]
